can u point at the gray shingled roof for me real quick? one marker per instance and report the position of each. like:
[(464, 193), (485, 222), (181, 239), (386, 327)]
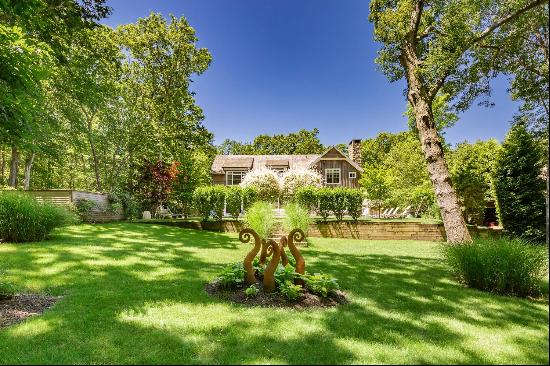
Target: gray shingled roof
[(259, 161)]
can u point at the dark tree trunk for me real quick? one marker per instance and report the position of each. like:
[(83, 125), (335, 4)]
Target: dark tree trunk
[(14, 167), (28, 169)]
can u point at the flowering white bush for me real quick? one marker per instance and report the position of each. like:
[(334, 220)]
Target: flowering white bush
[(293, 179), (265, 181)]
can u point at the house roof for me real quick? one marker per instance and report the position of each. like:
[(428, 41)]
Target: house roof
[(333, 148), (224, 162)]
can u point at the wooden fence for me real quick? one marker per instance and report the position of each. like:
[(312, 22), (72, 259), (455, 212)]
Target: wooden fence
[(101, 212)]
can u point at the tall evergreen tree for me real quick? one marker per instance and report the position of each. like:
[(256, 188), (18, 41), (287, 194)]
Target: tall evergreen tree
[(519, 186)]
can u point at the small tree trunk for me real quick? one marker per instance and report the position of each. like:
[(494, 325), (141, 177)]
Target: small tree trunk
[(94, 154), (28, 169), (14, 167), (2, 165)]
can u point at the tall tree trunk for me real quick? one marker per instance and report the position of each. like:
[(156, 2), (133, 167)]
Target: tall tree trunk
[(14, 167), (94, 154), (455, 226), (28, 169)]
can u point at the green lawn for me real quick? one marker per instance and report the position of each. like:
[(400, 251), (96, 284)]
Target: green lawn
[(134, 294)]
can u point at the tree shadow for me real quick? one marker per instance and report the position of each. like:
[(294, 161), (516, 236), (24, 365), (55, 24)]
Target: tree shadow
[(135, 294)]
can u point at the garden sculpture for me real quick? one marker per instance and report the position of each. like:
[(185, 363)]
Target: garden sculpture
[(270, 248)]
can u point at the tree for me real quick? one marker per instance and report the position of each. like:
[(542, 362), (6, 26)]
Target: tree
[(155, 183), (294, 143), (193, 172), (436, 47), (161, 57), (376, 189), (519, 186), (470, 166)]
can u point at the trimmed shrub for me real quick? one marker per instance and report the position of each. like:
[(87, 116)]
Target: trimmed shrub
[(502, 266), (259, 217), (325, 196), (296, 217), (217, 200), (265, 181), (233, 200), (24, 219), (338, 202), (130, 206), (354, 203), (307, 197), (519, 187), (84, 208), (249, 196), (294, 179), (201, 202)]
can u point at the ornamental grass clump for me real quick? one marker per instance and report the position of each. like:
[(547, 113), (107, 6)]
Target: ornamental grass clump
[(259, 217), (23, 219), (296, 217), (502, 266)]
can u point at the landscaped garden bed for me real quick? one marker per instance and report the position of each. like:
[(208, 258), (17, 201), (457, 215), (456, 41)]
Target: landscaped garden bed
[(14, 309)]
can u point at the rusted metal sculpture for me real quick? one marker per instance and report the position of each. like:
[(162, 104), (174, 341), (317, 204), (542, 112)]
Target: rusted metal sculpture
[(269, 273), (297, 235), (270, 248), (244, 236)]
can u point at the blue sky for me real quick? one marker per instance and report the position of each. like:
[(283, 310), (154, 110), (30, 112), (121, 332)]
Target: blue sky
[(279, 66)]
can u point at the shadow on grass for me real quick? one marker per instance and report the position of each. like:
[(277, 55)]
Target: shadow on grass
[(134, 294)]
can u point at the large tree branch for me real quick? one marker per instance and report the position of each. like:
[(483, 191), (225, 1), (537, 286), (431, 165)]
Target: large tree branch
[(415, 21), (505, 19)]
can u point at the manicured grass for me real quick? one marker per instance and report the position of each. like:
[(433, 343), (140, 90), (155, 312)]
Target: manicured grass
[(134, 294)]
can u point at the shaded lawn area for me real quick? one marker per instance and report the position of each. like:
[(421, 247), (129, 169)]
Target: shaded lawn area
[(134, 293)]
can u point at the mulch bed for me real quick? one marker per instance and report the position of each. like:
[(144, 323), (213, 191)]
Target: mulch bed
[(306, 300), (19, 307)]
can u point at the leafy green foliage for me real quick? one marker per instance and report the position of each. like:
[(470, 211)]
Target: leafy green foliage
[(301, 142), (285, 274), (338, 202), (324, 195), (470, 166), (259, 217), (130, 206), (217, 200), (307, 197), (232, 275), (234, 200), (296, 217), (252, 291), (84, 207), (250, 195), (294, 179), (519, 187), (290, 290), (354, 203), (23, 219), (504, 266), (201, 201), (320, 284)]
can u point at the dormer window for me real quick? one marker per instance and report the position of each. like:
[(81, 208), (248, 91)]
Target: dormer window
[(234, 177)]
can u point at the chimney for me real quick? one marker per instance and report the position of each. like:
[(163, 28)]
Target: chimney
[(354, 151)]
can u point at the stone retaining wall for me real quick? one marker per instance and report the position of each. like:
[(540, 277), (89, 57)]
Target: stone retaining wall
[(390, 230)]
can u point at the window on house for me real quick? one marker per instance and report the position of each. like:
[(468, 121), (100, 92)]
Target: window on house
[(234, 177), (332, 176), (352, 175), (278, 169)]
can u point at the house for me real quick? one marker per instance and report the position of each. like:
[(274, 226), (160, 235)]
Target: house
[(338, 169)]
